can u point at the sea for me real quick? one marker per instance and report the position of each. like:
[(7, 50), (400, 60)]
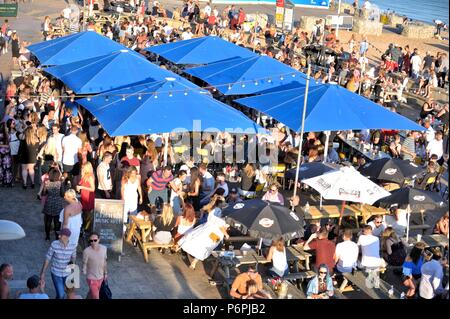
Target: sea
[(422, 10)]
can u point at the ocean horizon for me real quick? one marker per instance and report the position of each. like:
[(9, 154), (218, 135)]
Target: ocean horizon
[(421, 10)]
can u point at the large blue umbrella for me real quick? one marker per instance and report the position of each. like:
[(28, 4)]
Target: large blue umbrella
[(108, 72), (202, 50), (162, 107), (247, 75), (74, 47), (330, 107)]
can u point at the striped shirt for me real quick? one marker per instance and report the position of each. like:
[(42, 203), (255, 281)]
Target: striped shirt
[(410, 145), (159, 182), (60, 256)]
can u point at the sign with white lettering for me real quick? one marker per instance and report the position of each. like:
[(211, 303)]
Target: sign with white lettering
[(108, 223)]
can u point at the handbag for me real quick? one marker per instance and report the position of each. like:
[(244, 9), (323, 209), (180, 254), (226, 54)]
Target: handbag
[(105, 292)]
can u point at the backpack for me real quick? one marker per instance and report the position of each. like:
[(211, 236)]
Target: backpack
[(2, 41), (398, 254), (319, 31)]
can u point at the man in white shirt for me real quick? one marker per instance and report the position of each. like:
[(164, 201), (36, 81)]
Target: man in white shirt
[(104, 177), (346, 253), (397, 220), (416, 63), (429, 134), (436, 145), (207, 9), (71, 145), (370, 249), (187, 34), (432, 274), (56, 138), (167, 29), (377, 225), (207, 186)]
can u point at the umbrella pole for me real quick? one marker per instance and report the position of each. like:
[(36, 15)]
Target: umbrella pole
[(302, 130), (325, 155), (327, 141), (166, 146), (342, 213), (408, 212)]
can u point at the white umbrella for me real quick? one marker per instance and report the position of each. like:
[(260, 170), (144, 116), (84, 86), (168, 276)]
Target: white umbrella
[(347, 184), (10, 230)]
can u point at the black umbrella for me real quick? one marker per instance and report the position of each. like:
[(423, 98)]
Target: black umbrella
[(310, 170), (262, 219), (417, 199), (391, 169)]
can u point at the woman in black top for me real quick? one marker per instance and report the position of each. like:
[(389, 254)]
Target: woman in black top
[(248, 177), (15, 48), (427, 109), (28, 151), (164, 225)]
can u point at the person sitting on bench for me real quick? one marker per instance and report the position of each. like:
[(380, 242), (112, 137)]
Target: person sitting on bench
[(321, 286)]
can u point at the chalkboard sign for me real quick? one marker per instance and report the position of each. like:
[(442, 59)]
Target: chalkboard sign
[(108, 223), (8, 9)]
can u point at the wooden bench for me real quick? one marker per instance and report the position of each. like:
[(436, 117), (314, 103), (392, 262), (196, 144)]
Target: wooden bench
[(139, 231), (299, 277), (359, 280), (423, 227)]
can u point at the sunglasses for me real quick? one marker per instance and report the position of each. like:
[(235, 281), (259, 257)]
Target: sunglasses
[(322, 272), (93, 240), (378, 223)]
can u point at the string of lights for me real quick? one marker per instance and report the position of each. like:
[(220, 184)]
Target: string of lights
[(170, 93)]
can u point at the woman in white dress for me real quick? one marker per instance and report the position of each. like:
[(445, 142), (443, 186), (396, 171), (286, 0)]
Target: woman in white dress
[(131, 188), (71, 216), (203, 239)]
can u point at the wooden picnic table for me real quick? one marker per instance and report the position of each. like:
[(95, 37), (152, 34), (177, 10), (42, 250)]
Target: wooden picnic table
[(359, 279), (431, 240), (355, 146), (331, 211), (292, 291), (296, 253), (226, 263), (367, 211)]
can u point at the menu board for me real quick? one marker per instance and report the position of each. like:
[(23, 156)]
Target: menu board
[(108, 223)]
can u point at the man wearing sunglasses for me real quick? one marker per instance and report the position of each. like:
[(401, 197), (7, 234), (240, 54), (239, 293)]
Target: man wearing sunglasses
[(377, 225), (94, 265)]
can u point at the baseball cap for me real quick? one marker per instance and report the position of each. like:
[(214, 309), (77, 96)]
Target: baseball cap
[(233, 191), (65, 232), (33, 282)]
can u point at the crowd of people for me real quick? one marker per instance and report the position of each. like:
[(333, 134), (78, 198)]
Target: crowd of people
[(48, 139)]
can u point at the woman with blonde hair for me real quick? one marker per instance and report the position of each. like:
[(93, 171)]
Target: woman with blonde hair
[(86, 187), (164, 224), (28, 151), (71, 217), (248, 181), (277, 255), (130, 189), (86, 148), (392, 248)]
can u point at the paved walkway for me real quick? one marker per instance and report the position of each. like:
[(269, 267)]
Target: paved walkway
[(164, 277)]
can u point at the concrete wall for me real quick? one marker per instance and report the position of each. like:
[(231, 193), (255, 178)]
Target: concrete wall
[(363, 26), (418, 31)]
